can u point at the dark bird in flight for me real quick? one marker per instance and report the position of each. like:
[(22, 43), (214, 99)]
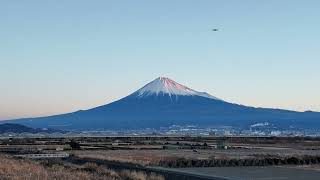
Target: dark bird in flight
[(214, 29)]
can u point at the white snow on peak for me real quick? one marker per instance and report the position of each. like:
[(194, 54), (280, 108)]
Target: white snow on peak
[(163, 85)]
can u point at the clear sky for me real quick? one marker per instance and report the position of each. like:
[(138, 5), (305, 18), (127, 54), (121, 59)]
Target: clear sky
[(61, 56)]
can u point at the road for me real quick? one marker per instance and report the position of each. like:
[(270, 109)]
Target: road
[(254, 173)]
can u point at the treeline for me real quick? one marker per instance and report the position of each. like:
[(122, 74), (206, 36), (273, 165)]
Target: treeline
[(266, 161)]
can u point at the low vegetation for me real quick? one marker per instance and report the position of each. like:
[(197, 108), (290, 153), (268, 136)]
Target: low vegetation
[(23, 169), (259, 161)]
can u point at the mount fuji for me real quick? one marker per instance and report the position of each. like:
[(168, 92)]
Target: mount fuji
[(164, 102)]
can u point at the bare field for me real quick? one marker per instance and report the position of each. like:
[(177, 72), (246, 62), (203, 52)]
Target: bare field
[(154, 157)]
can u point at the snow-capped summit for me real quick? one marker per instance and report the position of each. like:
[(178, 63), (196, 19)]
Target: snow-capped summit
[(164, 85)]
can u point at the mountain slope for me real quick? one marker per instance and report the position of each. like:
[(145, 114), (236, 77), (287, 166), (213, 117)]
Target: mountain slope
[(17, 128), (163, 102)]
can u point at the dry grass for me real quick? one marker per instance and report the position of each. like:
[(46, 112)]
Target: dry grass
[(22, 169), (13, 169), (141, 157)]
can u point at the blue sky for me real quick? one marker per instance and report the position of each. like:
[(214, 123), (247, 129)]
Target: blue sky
[(62, 56)]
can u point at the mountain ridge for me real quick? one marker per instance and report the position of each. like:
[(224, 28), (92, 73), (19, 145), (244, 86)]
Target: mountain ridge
[(163, 102)]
